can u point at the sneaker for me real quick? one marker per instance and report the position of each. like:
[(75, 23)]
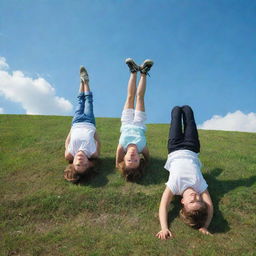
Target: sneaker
[(84, 74), (146, 66), (132, 65)]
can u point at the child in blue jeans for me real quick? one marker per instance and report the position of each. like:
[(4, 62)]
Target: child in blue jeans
[(185, 177), (82, 143)]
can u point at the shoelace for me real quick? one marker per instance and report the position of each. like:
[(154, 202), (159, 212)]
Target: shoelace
[(133, 67), (147, 74)]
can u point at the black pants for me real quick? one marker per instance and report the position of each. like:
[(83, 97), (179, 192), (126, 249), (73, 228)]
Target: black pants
[(187, 139)]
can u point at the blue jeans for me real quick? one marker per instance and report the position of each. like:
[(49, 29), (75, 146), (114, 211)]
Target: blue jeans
[(84, 110)]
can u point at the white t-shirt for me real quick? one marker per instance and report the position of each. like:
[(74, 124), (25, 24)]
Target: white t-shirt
[(185, 172), (82, 138)]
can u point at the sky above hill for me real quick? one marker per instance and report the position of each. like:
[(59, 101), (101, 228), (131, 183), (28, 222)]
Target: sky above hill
[(204, 55)]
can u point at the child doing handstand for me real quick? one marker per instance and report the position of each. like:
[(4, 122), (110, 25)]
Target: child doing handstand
[(82, 144), (185, 177), (132, 141)]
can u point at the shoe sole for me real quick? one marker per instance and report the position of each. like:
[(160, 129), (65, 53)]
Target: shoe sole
[(148, 61), (84, 74), (129, 60)]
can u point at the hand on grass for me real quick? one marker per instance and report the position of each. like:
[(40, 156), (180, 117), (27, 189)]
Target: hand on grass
[(164, 234), (205, 231)]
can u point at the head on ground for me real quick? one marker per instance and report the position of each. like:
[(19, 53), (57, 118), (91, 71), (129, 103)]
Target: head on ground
[(133, 174), (194, 211), (73, 175)]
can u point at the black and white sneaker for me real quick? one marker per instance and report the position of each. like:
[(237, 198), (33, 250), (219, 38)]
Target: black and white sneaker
[(132, 65), (146, 66)]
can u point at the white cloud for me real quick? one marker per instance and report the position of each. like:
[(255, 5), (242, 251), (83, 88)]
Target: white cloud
[(237, 121), (3, 64), (36, 96), (1, 110)]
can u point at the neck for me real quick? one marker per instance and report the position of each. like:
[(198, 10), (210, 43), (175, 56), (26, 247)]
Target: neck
[(132, 147), (83, 153), (188, 191)]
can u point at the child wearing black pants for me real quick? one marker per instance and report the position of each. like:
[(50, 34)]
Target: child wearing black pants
[(185, 177)]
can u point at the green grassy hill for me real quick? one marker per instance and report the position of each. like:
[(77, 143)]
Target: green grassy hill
[(42, 214)]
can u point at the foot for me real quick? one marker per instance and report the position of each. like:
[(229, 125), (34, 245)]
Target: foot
[(132, 65), (84, 75), (146, 66)]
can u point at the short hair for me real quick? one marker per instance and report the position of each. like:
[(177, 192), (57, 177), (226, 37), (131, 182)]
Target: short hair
[(195, 218), (133, 174)]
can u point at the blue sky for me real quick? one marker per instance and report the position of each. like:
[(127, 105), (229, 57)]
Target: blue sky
[(204, 54)]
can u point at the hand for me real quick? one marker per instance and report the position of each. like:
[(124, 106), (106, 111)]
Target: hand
[(205, 231), (164, 234)]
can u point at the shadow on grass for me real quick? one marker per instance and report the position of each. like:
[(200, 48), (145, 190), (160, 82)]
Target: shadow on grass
[(98, 178), (217, 189), (155, 173), (174, 212)]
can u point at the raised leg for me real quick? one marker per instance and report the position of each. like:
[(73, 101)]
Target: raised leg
[(88, 108), (190, 130), (140, 103), (84, 110), (84, 78), (176, 136), (84, 86), (88, 104), (131, 91)]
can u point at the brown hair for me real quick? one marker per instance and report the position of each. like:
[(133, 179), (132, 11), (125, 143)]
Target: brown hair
[(133, 174), (195, 218), (70, 174)]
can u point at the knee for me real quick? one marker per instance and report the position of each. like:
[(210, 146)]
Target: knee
[(130, 100), (130, 97), (140, 95)]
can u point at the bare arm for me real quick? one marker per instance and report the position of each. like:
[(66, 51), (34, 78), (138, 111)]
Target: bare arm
[(119, 155), (68, 156), (207, 199), (145, 153), (165, 233), (67, 140), (98, 145)]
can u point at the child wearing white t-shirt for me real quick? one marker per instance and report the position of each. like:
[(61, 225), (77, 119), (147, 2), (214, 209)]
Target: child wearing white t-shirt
[(82, 145), (185, 177)]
